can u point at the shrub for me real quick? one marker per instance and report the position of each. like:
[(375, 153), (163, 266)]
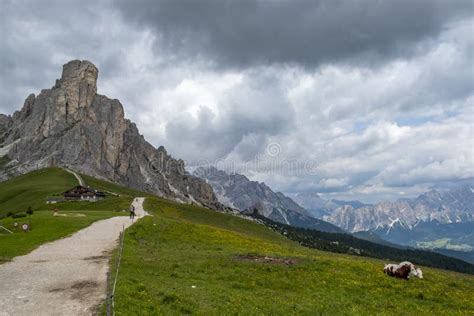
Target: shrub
[(18, 215), (29, 211)]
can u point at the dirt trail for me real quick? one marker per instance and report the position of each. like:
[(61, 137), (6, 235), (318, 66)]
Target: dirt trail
[(64, 277), (78, 177)]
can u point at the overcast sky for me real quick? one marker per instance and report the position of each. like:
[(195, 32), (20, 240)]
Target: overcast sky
[(360, 99)]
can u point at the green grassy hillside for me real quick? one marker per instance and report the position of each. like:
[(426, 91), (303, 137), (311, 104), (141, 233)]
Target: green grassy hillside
[(187, 259), (32, 189)]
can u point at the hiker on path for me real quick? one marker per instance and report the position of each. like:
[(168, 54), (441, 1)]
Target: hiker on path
[(132, 212)]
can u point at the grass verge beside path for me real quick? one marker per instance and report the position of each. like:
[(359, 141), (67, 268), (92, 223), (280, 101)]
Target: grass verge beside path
[(45, 228), (185, 259)]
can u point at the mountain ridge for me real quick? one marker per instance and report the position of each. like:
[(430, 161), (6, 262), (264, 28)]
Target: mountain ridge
[(237, 191)]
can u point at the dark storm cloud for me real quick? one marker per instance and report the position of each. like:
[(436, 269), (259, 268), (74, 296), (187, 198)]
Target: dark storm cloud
[(308, 33)]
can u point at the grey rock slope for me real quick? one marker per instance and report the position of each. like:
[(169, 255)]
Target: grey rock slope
[(237, 191), (71, 125)]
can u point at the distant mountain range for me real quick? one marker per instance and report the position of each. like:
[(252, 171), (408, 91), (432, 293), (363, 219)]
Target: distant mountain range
[(435, 219), (452, 206), (237, 191)]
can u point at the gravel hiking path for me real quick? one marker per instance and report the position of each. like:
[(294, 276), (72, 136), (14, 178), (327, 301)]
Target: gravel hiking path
[(64, 277), (78, 177)]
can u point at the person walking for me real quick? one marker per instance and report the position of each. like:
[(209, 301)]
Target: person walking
[(132, 213)]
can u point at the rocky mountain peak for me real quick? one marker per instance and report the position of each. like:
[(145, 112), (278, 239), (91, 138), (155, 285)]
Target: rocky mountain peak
[(75, 70), (77, 73), (79, 86), (71, 125)]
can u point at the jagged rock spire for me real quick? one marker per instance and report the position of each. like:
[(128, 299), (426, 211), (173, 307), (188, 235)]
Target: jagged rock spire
[(79, 83)]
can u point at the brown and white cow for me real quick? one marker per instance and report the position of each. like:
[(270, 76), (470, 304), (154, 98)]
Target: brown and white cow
[(404, 270)]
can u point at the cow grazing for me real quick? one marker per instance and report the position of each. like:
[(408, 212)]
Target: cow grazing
[(404, 270)]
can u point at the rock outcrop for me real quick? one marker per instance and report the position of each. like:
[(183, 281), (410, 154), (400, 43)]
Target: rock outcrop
[(70, 125)]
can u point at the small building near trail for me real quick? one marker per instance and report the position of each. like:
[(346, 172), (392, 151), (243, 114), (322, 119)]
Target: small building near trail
[(54, 200), (82, 193)]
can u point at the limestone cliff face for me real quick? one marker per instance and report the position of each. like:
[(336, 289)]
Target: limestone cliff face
[(71, 125)]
